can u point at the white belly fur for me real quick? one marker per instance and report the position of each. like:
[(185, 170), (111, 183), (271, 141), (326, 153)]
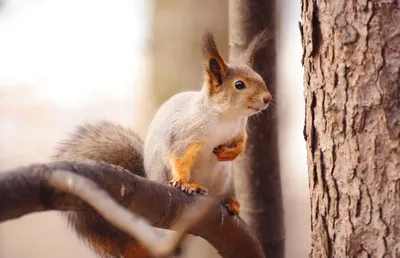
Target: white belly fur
[(208, 171)]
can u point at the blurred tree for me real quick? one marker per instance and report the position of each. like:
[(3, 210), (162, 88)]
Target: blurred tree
[(176, 47), (352, 128), (257, 174)]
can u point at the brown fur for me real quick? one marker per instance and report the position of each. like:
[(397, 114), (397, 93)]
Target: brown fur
[(259, 41), (103, 141), (103, 238), (222, 91), (215, 67), (134, 250)]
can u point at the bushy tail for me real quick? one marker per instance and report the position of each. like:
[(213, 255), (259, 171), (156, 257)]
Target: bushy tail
[(104, 141), (114, 144)]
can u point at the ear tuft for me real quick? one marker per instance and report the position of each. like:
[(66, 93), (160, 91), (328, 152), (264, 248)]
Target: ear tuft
[(215, 69), (261, 40), (209, 46), (215, 66)]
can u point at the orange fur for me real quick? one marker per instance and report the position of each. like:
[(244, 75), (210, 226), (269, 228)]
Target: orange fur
[(182, 167), (233, 205), (101, 245), (230, 152), (136, 251), (110, 247)]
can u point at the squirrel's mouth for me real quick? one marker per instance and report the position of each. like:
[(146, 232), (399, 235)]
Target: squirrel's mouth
[(254, 109)]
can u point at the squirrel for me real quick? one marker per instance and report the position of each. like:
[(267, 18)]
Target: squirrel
[(195, 135), (191, 143)]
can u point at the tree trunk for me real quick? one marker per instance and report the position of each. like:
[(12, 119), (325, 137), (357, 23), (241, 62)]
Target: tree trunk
[(352, 128), (257, 175)]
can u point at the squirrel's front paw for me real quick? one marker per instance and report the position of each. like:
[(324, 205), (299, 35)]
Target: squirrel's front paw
[(233, 205), (225, 153), (190, 188)]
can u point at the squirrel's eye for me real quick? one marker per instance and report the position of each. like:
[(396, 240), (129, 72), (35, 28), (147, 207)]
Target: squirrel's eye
[(240, 85)]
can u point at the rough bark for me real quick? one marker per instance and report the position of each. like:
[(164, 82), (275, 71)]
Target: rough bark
[(26, 190), (257, 175), (352, 128)]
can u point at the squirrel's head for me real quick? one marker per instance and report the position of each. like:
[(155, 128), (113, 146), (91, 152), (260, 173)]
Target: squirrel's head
[(235, 87)]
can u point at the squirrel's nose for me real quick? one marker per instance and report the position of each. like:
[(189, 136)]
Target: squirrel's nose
[(267, 98)]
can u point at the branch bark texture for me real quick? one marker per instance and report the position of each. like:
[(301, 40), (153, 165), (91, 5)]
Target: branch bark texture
[(156, 243), (26, 190), (352, 128), (257, 174)]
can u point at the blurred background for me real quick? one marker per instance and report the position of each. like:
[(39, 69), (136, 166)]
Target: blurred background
[(63, 63)]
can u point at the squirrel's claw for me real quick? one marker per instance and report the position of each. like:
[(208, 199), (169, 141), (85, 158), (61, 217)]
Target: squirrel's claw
[(190, 188), (201, 190)]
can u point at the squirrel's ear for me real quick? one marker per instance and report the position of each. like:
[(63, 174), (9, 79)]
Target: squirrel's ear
[(215, 66), (258, 42)]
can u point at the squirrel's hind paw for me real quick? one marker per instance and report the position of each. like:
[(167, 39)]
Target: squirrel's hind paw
[(190, 188), (233, 205)]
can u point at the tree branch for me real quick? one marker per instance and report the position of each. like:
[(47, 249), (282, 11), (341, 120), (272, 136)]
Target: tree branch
[(158, 244), (31, 189)]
